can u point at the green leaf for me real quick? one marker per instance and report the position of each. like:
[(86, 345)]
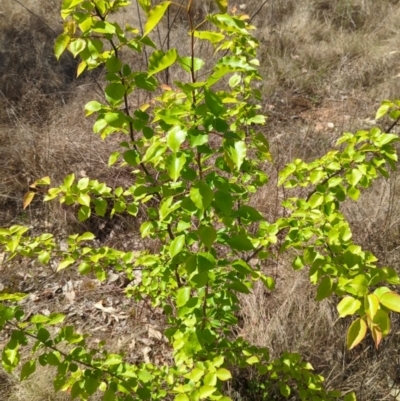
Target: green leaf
[(390, 300), (113, 64), (380, 291), (316, 200), (154, 16), (174, 165), (213, 37), (224, 202), (39, 319), (61, 44), (354, 193), (91, 385), (132, 157), (240, 243), (356, 333), (324, 289), (201, 195), (383, 109), (113, 158), (235, 80), (284, 389), (196, 374), (206, 391), (354, 177), (65, 263), (176, 245), (87, 236), (115, 93), (249, 213), (213, 102), (181, 397), (222, 5), (350, 397), (28, 369), (56, 318), (186, 63), (238, 286), (175, 137), (109, 395), (15, 297), (223, 374), (113, 359), (207, 235), (84, 200), (182, 296), (348, 306), (144, 81), (84, 268), (146, 5), (235, 154), (77, 46), (159, 61)]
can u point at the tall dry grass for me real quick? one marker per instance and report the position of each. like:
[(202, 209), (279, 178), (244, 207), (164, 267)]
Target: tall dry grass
[(326, 64)]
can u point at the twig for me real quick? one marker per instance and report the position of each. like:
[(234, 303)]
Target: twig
[(36, 16)]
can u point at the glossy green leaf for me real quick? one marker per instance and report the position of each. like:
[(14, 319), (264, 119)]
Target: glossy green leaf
[(14, 297), (77, 46), (213, 37), (201, 195), (159, 61), (224, 374), (224, 202), (65, 263), (249, 213), (240, 243), (348, 306), (235, 153), (206, 391), (222, 5), (213, 102), (207, 235), (132, 157), (145, 5), (181, 397), (154, 15), (174, 165), (61, 44), (371, 305), (186, 63), (115, 93), (177, 245), (390, 300), (113, 64), (239, 287), (175, 137), (182, 296)]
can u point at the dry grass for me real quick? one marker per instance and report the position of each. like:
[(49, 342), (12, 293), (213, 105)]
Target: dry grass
[(323, 62)]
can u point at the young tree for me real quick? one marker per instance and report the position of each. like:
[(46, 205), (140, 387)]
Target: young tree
[(197, 155)]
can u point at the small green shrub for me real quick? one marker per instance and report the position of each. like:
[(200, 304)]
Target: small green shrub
[(197, 156)]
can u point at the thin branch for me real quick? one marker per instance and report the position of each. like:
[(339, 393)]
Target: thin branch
[(258, 10), (36, 16), (392, 125)]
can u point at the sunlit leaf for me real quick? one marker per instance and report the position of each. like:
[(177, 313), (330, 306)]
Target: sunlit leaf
[(356, 333), (159, 61), (391, 300), (154, 15)]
